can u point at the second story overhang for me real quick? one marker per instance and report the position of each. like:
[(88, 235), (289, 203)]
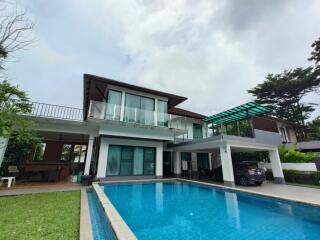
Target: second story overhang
[(95, 90)]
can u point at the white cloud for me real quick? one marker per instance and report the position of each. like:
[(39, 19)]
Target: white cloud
[(209, 51)]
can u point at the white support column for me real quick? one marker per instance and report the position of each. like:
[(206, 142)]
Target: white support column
[(123, 98), (177, 163), (210, 161), (89, 155), (102, 160), (159, 162), (276, 166), (227, 167)]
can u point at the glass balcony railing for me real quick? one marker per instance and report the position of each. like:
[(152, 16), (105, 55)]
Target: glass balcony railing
[(109, 111)]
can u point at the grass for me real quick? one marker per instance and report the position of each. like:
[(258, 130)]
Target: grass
[(47, 216)]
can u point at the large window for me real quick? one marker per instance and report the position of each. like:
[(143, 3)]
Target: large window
[(39, 152), (139, 109), (79, 153), (162, 113), (128, 161), (197, 131), (66, 152), (113, 105)]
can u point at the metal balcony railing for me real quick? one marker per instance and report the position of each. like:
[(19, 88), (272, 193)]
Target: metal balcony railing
[(55, 111)]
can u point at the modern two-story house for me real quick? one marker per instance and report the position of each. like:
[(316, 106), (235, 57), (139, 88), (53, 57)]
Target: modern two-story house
[(128, 131)]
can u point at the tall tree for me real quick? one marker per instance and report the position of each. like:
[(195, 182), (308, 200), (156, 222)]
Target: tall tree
[(315, 54), (15, 30), (283, 92)]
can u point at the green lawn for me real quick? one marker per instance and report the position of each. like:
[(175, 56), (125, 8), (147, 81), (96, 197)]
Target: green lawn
[(40, 216)]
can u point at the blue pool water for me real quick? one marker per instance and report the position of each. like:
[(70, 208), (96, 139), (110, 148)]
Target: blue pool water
[(174, 210)]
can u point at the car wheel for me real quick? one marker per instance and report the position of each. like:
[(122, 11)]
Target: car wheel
[(243, 181), (258, 183)]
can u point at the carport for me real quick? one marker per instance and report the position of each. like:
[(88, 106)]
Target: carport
[(224, 145)]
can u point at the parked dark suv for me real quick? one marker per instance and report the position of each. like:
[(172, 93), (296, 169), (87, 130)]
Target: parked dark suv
[(248, 173), (245, 173)]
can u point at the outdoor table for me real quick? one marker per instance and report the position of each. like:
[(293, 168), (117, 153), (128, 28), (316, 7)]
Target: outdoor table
[(11, 180)]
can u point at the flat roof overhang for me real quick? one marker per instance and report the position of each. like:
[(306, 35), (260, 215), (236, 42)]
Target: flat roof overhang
[(241, 112), (237, 144)]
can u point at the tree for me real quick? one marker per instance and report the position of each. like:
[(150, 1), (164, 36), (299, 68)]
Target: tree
[(14, 103), (15, 30), (315, 54), (283, 92), (313, 130)]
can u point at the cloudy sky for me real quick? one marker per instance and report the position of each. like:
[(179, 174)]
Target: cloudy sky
[(210, 51)]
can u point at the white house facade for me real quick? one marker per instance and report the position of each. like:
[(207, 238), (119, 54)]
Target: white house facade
[(128, 131)]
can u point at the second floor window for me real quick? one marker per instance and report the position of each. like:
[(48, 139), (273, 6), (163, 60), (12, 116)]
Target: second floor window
[(283, 134), (162, 113), (139, 109), (197, 131), (113, 105)]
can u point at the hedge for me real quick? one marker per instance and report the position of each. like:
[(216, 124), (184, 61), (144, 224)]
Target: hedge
[(294, 176), (293, 155)]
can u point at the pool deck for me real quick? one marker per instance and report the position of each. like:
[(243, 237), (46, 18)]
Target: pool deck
[(305, 195)]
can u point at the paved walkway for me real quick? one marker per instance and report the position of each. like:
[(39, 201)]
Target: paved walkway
[(295, 193), (283, 191), (27, 188)]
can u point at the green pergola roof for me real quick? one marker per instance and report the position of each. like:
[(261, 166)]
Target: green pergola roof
[(238, 113)]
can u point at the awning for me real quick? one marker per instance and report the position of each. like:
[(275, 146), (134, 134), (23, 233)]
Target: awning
[(243, 111)]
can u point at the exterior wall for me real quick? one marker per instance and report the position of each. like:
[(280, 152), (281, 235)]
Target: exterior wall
[(264, 124), (274, 126), (268, 137), (290, 132), (104, 146), (136, 131), (291, 135), (186, 123), (292, 166)]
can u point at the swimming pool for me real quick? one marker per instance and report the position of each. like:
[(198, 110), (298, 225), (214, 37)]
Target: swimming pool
[(177, 210)]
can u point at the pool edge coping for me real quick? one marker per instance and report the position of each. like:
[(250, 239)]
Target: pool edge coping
[(85, 220), (251, 192), (118, 225), (274, 196)]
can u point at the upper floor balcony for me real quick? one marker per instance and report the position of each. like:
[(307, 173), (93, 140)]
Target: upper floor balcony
[(113, 112), (53, 111)]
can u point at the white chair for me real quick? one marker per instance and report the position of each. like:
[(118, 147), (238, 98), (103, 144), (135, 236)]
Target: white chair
[(11, 181)]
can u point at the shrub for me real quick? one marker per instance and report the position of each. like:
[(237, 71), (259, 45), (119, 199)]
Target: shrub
[(293, 155), (294, 176)]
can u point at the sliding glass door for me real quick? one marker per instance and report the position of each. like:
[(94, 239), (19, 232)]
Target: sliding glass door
[(113, 163), (129, 160), (162, 113), (149, 161), (139, 109), (147, 111), (138, 161), (113, 105)]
